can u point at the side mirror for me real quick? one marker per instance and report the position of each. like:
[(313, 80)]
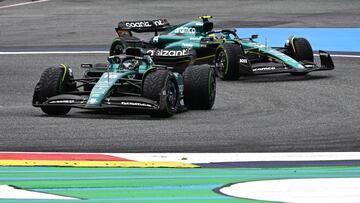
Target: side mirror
[(254, 36)]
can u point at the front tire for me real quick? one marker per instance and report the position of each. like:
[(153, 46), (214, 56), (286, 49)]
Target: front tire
[(226, 57), (161, 86), (199, 87), (300, 49), (53, 81)]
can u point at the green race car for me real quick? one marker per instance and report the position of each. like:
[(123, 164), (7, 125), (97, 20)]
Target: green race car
[(230, 55), (129, 81)]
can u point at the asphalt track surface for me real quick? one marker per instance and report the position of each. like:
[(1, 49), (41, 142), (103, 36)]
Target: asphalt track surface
[(276, 113)]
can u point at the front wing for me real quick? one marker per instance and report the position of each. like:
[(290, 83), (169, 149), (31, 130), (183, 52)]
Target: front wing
[(326, 63), (110, 103)]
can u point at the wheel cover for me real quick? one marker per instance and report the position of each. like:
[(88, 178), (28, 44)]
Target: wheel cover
[(171, 95), (221, 63)]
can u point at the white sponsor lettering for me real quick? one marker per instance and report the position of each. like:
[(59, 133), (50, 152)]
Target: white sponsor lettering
[(156, 39), (135, 104), (165, 52), (185, 30), (264, 69), (159, 22), (139, 24), (142, 24), (243, 61), (187, 45), (62, 101)]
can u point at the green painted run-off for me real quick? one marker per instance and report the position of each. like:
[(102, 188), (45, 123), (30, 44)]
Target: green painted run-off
[(150, 185)]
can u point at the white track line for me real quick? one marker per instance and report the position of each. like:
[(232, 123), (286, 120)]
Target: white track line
[(226, 157), (342, 56), (22, 4), (239, 157)]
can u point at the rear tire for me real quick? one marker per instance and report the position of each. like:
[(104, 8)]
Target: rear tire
[(53, 81), (157, 83), (199, 87), (118, 46), (226, 61)]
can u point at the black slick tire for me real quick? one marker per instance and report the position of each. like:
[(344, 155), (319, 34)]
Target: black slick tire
[(161, 86), (226, 61), (300, 50), (199, 87), (118, 46), (53, 81)]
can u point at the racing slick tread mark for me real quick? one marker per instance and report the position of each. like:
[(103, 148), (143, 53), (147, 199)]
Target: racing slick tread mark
[(65, 71), (292, 43), (230, 70), (51, 84), (199, 87), (154, 84)]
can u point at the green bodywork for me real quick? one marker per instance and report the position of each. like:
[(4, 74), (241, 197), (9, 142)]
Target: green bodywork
[(190, 35), (150, 185), (115, 72), (103, 87), (187, 35), (252, 46)]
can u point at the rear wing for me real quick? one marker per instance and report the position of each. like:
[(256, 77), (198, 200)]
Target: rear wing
[(142, 26)]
